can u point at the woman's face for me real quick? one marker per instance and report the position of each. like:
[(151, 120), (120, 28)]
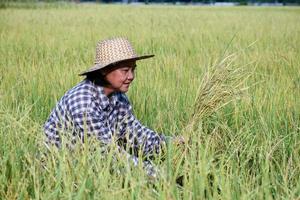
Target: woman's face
[(120, 77)]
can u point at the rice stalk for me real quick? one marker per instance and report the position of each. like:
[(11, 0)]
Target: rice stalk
[(221, 84)]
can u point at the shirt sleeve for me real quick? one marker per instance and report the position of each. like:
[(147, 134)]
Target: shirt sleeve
[(86, 121), (53, 126), (141, 137), (52, 136)]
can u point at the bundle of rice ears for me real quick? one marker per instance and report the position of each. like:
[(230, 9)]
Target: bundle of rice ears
[(222, 83)]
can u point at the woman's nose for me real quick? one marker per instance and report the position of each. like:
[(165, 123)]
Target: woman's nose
[(130, 75)]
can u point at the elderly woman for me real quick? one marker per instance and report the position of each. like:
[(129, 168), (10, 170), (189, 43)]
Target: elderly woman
[(98, 106)]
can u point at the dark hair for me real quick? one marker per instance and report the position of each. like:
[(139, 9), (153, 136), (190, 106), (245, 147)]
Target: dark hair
[(97, 78)]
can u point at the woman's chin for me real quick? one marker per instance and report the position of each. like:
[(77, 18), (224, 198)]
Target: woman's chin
[(124, 89)]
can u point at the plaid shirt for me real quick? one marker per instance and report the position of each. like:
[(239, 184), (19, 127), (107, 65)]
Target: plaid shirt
[(85, 111)]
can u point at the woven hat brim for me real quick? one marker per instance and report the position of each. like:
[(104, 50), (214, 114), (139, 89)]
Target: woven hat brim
[(98, 66)]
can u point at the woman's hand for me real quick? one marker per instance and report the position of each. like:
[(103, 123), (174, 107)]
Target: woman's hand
[(178, 140)]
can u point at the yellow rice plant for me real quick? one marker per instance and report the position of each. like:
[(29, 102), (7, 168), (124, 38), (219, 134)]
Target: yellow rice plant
[(222, 83)]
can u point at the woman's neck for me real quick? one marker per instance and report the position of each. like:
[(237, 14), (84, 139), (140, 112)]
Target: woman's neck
[(108, 91)]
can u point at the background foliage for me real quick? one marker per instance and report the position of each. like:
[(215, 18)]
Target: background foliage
[(247, 150), (237, 2)]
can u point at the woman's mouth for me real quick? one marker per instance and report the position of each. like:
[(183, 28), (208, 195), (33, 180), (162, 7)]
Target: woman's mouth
[(126, 84)]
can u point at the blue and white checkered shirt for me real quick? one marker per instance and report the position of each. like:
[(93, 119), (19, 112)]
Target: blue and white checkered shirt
[(85, 111)]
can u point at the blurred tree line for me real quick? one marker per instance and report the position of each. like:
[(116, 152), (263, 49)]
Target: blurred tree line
[(238, 2)]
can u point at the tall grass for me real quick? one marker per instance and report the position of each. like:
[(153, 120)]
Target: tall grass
[(246, 149)]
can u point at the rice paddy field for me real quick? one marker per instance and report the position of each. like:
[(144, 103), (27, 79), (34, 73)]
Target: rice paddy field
[(245, 146)]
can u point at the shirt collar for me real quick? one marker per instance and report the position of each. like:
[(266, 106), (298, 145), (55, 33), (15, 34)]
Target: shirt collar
[(104, 101)]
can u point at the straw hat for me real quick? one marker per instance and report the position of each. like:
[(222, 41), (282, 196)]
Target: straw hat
[(112, 51)]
